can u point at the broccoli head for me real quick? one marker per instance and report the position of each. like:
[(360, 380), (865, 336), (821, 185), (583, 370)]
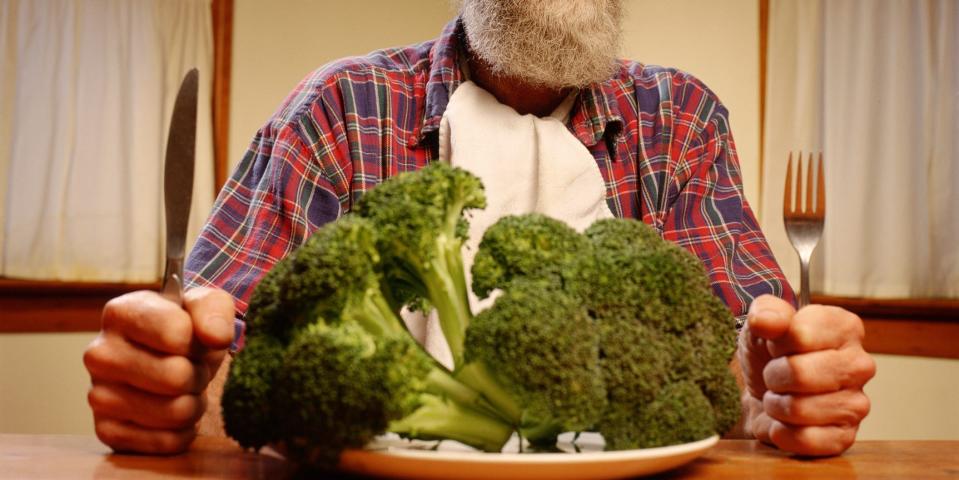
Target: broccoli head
[(660, 326), (540, 345), (248, 410), (531, 246), (353, 389), (331, 276)]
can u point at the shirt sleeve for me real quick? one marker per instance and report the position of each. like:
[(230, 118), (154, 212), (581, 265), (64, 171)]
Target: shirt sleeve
[(276, 197), (709, 215)]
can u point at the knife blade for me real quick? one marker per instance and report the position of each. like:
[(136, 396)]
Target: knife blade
[(178, 183)]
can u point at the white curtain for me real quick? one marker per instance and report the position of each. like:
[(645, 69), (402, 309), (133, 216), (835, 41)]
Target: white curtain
[(87, 90), (874, 85)]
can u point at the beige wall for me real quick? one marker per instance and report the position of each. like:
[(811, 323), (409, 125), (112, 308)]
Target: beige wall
[(43, 385), (42, 381)]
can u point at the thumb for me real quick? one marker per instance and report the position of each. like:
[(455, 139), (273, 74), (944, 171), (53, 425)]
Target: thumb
[(769, 317), (212, 311)]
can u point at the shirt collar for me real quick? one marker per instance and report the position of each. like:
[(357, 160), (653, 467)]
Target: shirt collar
[(598, 113), (444, 77), (596, 110)]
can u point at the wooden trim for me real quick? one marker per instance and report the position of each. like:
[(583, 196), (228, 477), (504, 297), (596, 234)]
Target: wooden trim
[(222, 65), (921, 338), (917, 327), (10, 287), (763, 62), (52, 315), (929, 309), (42, 306)]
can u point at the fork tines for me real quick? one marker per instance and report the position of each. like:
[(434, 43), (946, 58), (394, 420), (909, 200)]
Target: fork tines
[(796, 210)]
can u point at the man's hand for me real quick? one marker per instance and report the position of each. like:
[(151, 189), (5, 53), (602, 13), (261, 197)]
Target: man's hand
[(804, 373), (150, 366)]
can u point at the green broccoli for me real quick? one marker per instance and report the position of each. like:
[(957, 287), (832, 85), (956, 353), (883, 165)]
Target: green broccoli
[(531, 246), (539, 346), (660, 325), (612, 330), (340, 367), (513, 348), (248, 409), (653, 318)]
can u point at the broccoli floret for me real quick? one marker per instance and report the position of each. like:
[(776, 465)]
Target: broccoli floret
[(330, 276), (541, 347), (248, 410), (660, 326), (531, 246), (638, 274), (679, 414), (419, 219), (324, 413)]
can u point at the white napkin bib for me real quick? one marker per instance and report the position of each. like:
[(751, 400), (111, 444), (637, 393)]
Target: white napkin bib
[(527, 164)]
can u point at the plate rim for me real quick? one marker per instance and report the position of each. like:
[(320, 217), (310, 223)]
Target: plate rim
[(547, 457)]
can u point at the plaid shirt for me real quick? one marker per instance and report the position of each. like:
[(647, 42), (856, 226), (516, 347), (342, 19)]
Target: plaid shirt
[(660, 138)]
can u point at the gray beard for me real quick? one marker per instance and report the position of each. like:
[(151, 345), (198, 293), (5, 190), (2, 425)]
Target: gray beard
[(550, 43)]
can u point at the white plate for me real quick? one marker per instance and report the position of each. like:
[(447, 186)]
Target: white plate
[(396, 458)]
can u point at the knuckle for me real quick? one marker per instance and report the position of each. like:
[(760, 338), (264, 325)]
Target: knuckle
[(184, 409), (798, 408), (124, 308), (802, 333), (179, 374), (862, 367), (108, 433), (816, 310), (98, 399), (768, 300), (177, 333), (198, 294), (849, 322), (847, 437), (97, 355), (172, 442), (868, 365), (860, 406), (207, 295), (796, 371)]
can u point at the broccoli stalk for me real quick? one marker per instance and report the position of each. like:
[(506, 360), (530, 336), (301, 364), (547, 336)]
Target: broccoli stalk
[(419, 218), (440, 418)]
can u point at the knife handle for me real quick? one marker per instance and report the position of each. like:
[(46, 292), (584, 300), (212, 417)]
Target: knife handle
[(173, 281)]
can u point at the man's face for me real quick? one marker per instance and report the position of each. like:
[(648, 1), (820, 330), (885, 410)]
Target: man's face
[(553, 43)]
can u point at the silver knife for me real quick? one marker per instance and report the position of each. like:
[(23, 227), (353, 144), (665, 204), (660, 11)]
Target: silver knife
[(178, 183)]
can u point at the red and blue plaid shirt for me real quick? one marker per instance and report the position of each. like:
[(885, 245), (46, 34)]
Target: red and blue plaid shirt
[(660, 138)]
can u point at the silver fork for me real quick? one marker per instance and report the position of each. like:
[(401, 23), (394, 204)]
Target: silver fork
[(804, 225)]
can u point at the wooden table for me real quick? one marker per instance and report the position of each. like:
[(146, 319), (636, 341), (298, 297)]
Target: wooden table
[(79, 457)]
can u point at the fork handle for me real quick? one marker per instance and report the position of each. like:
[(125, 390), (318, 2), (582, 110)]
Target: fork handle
[(173, 281), (803, 281)]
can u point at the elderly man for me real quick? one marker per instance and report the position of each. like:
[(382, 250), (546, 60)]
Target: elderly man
[(529, 94)]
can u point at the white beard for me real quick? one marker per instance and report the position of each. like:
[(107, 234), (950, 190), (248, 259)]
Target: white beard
[(551, 43)]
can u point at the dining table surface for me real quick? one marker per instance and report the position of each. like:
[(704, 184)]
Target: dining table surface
[(83, 456)]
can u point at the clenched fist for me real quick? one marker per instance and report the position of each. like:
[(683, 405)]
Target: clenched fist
[(804, 373), (150, 366)]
